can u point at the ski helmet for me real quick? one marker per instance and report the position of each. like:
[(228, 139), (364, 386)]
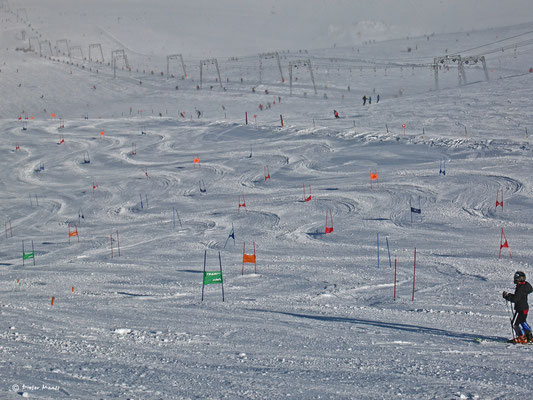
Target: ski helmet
[(519, 276)]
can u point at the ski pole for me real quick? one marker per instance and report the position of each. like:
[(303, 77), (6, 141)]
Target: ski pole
[(511, 318)]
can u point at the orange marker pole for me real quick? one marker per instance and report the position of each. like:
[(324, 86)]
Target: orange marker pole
[(52, 302)]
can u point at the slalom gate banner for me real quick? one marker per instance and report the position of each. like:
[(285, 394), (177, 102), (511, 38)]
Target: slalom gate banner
[(212, 277), (27, 256)]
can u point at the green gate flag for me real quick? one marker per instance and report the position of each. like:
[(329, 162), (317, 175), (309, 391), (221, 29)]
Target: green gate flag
[(26, 256), (212, 277)]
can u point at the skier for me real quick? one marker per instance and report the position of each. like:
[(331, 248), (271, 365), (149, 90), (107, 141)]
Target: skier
[(377, 100), (519, 298), (336, 113), (369, 99), (364, 99)]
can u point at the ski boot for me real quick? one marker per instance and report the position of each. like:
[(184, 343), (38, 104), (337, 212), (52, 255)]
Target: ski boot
[(529, 337), (519, 340)]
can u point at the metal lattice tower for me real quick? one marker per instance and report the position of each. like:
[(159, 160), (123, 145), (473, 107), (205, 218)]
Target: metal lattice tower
[(64, 41), (175, 57), (474, 60), (301, 63), (118, 55), (445, 61), (4, 5), (96, 46), (34, 39), (208, 62), (266, 56), (71, 51), (20, 12), (43, 42)]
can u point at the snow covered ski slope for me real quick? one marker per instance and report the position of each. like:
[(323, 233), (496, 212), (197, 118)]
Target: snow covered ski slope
[(316, 316)]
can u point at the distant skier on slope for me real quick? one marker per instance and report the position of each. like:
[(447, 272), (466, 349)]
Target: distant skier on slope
[(364, 99), (336, 113), (519, 298)]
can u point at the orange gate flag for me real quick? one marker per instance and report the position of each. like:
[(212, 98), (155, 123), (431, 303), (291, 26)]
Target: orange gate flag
[(248, 258), (373, 176)]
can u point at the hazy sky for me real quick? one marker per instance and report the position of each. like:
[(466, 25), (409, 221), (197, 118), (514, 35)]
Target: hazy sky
[(242, 26)]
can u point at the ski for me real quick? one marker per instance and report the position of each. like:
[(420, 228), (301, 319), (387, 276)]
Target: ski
[(498, 340)]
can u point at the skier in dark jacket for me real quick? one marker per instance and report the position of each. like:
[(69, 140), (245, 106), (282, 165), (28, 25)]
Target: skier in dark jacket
[(519, 298)]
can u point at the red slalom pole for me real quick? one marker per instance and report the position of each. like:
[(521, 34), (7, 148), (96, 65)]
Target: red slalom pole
[(414, 275), (395, 278), (243, 251)]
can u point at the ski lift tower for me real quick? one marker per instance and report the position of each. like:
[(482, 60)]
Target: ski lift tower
[(266, 56), (175, 57), (21, 12), (96, 46), (439, 62), (41, 43), (4, 5), (65, 42), (208, 62), (118, 55), (71, 51), (474, 60), (301, 63), (34, 39)]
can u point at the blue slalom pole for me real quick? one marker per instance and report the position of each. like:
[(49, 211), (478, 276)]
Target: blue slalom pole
[(378, 249), (388, 250)]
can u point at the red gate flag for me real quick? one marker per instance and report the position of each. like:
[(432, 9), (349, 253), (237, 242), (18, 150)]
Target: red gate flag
[(504, 243)]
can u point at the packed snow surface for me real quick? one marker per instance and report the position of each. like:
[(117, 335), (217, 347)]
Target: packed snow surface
[(316, 316)]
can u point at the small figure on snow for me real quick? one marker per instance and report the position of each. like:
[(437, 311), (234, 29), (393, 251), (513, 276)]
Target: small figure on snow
[(369, 99), (336, 113), (377, 99), (364, 99), (519, 298)]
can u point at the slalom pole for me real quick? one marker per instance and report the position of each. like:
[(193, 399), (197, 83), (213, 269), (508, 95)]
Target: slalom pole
[(414, 276), (378, 249), (388, 250), (220, 264), (395, 264), (203, 277)]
